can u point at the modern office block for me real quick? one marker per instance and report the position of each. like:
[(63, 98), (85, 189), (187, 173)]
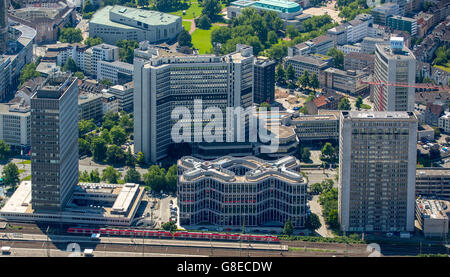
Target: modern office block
[(264, 80), (377, 171)]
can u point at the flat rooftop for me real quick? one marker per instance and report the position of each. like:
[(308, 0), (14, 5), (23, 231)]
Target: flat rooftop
[(152, 18), (431, 208), (379, 115)]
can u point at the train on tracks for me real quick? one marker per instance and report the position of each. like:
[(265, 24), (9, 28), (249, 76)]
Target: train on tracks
[(176, 235)]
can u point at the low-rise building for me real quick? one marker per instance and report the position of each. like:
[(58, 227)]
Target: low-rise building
[(359, 61), (382, 12), (433, 183), (444, 122), (425, 131), (345, 81), (318, 45), (314, 127), (113, 23), (117, 72), (241, 191), (349, 48), (432, 217), (15, 125), (314, 63), (403, 24), (433, 112)]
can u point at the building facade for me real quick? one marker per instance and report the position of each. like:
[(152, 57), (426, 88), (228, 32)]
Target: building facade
[(54, 142), (241, 192), (264, 80), (166, 80), (377, 170), (394, 64), (113, 23)]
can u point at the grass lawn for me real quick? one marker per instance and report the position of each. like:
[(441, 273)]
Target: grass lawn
[(201, 39), (445, 68), (192, 12), (187, 25), (25, 162), (28, 178), (365, 106)]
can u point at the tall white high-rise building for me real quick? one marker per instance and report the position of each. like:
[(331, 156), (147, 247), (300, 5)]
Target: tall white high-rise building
[(377, 171), (165, 80), (394, 64)]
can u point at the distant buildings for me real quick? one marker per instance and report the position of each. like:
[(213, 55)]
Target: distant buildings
[(381, 13), (263, 80), (318, 45), (54, 143), (117, 72), (240, 192), (47, 19), (359, 61), (433, 112), (314, 63), (113, 23), (352, 31), (403, 24), (433, 183), (394, 64), (432, 217), (377, 167), (444, 122), (345, 81)]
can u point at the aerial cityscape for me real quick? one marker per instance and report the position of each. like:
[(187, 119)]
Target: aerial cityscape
[(221, 128)]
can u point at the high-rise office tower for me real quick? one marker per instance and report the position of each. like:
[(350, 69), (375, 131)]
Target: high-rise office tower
[(165, 80), (394, 64), (264, 80), (377, 171), (54, 142), (3, 25)]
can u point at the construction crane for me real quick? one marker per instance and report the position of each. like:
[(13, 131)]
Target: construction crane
[(384, 84)]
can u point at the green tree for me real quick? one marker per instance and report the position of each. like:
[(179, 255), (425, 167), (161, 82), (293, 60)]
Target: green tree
[(264, 105), (170, 226), (126, 50), (118, 135), (184, 38), (70, 35), (288, 228), (88, 7), (92, 41), (338, 57), (84, 148), (315, 188), (132, 176), (291, 31), (290, 73), (94, 176), (130, 160), (203, 22), (106, 82), (358, 102), (114, 154), (303, 80), (221, 34), (140, 158), (314, 82), (85, 126), (344, 104), (111, 175), (272, 38), (84, 177), (155, 178), (277, 51), (98, 149), (10, 174), (79, 75), (171, 178), (5, 150), (306, 154), (211, 8), (313, 222), (328, 153), (280, 74), (28, 72)]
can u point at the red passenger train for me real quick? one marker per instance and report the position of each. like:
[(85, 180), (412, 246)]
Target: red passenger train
[(176, 235)]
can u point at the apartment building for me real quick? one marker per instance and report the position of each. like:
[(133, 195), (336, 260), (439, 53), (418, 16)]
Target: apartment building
[(165, 80), (244, 191), (377, 171), (351, 31), (444, 122)]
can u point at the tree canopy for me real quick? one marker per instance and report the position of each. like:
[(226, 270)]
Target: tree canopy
[(70, 35), (10, 174)]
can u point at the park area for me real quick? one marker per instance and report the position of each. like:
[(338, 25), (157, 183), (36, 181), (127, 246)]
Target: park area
[(201, 39)]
